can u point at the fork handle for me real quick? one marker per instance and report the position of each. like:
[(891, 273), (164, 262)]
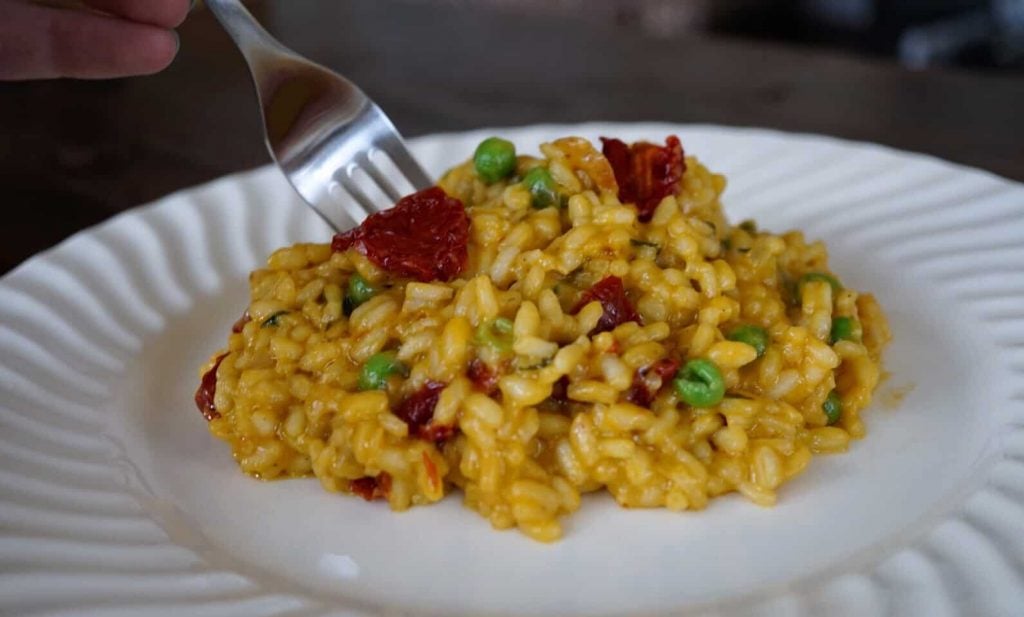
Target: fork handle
[(255, 43)]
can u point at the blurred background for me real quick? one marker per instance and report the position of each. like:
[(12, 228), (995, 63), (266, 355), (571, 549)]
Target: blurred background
[(943, 77), (918, 33)]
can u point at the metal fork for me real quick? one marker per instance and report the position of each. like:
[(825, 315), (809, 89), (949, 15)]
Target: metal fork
[(325, 134)]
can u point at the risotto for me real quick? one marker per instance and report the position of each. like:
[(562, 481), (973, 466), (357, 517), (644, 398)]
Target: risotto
[(536, 328)]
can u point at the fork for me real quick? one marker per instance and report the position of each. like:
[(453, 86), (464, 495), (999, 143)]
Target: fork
[(335, 146)]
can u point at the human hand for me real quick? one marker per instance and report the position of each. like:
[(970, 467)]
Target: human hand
[(90, 39)]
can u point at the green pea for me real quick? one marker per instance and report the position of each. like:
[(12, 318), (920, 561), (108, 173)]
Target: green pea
[(359, 291), (378, 368), (818, 276), (274, 320), (748, 226), (496, 334), (541, 186), (700, 383), (845, 329), (754, 336), (833, 407), (494, 159)]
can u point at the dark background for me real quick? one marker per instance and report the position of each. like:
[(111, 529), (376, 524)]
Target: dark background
[(73, 153), (985, 34)]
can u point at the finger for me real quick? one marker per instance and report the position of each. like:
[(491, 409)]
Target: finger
[(163, 13), (42, 42)]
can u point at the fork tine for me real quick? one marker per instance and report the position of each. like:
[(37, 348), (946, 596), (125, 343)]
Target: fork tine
[(404, 161), (366, 207), (329, 134), (367, 165)]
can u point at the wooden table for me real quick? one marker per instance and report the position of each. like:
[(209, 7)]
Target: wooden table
[(75, 153)]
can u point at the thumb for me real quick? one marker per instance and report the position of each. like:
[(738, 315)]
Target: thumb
[(39, 42)]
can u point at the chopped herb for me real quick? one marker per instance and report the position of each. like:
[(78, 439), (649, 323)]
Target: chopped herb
[(273, 320), (496, 334), (542, 364), (833, 407)]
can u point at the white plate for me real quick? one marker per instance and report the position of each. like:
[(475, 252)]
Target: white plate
[(115, 500)]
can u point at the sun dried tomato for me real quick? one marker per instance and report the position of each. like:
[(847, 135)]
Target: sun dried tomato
[(240, 324), (431, 469), (207, 390), (612, 296), (370, 488), (638, 393), (646, 173), (424, 236), (417, 411), (484, 378), (437, 433), (649, 380), (665, 369)]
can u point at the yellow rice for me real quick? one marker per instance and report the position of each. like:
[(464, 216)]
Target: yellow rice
[(289, 404)]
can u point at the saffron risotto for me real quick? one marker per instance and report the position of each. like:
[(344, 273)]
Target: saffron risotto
[(577, 349)]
